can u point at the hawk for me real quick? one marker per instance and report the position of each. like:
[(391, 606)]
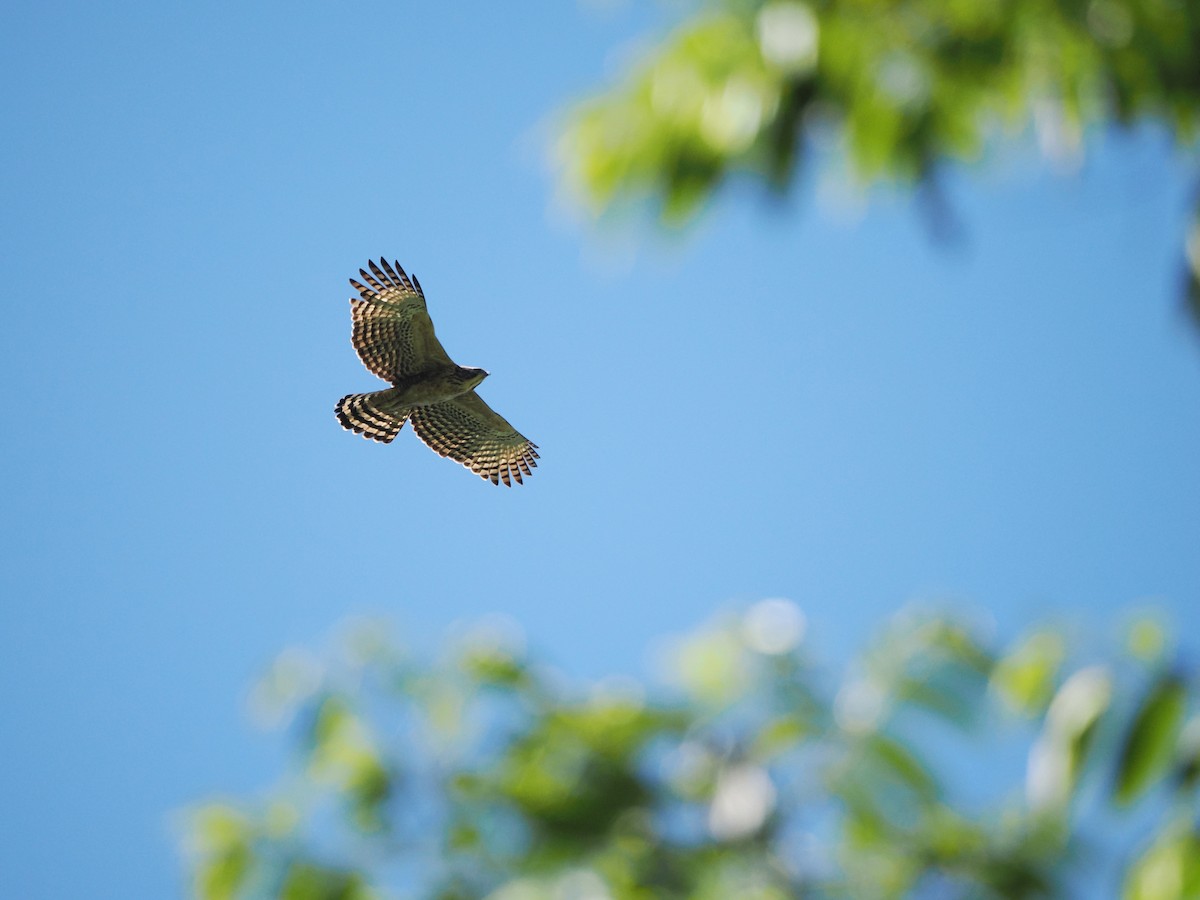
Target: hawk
[(394, 338)]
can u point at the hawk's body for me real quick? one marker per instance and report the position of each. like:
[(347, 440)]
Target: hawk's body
[(394, 338)]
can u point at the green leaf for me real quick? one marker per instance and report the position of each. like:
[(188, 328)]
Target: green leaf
[(1058, 757), (309, 881), (221, 836), (1189, 755), (1025, 677), (780, 735), (1151, 740), (1146, 639), (495, 665), (1168, 870), (1191, 291), (369, 786), (905, 765), (946, 694)]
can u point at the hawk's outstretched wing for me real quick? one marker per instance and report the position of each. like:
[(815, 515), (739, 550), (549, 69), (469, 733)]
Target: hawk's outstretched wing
[(470, 432), (393, 334)]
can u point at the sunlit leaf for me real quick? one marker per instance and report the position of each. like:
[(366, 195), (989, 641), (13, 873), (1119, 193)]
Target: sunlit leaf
[(221, 841), (713, 665), (1057, 758), (1025, 677), (1168, 870), (1146, 638)]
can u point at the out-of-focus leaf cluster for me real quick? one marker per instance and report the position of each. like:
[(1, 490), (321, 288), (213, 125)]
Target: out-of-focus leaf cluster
[(892, 86), (755, 773), (883, 90)]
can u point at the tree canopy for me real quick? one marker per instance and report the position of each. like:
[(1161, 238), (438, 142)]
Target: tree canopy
[(893, 90), (934, 764)]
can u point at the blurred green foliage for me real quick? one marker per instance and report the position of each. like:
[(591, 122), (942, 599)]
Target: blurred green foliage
[(886, 89), (934, 764)]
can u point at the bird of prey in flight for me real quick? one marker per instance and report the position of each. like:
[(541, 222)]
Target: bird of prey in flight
[(394, 338)]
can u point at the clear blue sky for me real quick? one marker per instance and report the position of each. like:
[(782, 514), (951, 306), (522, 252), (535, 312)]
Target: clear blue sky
[(784, 403)]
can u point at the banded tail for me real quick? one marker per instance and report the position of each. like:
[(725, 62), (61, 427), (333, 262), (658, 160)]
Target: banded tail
[(376, 416)]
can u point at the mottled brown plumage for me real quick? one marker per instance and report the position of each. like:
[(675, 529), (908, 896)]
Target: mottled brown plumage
[(393, 336)]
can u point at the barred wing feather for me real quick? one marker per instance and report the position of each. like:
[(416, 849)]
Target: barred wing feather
[(470, 432), (393, 334)]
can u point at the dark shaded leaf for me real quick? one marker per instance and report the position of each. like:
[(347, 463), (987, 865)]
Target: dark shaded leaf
[(309, 881), (904, 765), (1149, 746)]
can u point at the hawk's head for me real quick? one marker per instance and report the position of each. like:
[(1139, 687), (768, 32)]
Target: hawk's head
[(469, 378)]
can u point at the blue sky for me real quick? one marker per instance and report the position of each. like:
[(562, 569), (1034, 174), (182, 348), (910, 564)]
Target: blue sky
[(785, 401)]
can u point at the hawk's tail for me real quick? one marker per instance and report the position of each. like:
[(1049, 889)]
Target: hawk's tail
[(375, 416)]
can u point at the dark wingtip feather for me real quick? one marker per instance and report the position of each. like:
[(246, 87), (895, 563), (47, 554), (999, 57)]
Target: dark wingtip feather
[(370, 279), (393, 278)]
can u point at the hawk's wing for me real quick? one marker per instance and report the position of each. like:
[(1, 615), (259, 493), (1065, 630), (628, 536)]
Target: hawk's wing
[(470, 432), (393, 334)]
